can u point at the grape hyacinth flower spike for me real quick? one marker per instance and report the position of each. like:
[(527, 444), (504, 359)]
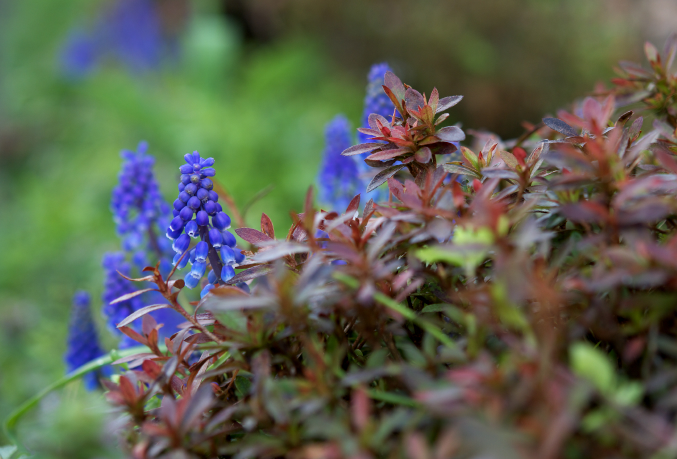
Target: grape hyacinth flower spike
[(198, 214), (338, 180), (83, 340)]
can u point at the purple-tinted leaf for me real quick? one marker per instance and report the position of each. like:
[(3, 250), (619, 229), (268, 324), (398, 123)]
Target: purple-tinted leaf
[(635, 70), (393, 83), (414, 99), (450, 134), (447, 102), (141, 312), (251, 273), (388, 154), (461, 170), (383, 176), (423, 155), (361, 148), (253, 236), (560, 126), (495, 172), (280, 250), (669, 51), (370, 132), (372, 122), (267, 226), (132, 295)]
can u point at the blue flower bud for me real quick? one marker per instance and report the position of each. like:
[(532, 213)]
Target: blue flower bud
[(227, 255), (243, 286), (206, 290), (213, 196), (186, 169), (196, 158), (210, 207), (184, 197), (229, 239), (191, 282), (209, 172), (192, 256), (207, 184), (183, 263), (215, 238), (176, 224), (218, 207), (179, 204), (181, 243), (189, 158), (173, 234), (227, 273), (207, 162), (201, 251), (239, 256), (191, 189), (194, 203), (202, 194), (192, 229), (198, 269), (211, 277), (221, 221), (203, 219), (181, 187), (175, 213), (195, 178), (185, 179), (186, 213)]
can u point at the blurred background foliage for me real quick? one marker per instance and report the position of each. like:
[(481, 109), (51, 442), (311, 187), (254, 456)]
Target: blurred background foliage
[(250, 83)]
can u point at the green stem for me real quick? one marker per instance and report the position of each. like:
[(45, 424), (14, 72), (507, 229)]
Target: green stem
[(403, 310), (12, 420)]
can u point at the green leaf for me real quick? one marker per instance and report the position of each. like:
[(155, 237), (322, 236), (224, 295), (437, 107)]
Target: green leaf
[(6, 452), (594, 365), (243, 385)]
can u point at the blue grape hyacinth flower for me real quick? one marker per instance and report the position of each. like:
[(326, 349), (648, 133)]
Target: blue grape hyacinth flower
[(126, 31), (198, 214), (114, 287), (338, 179), (83, 340), (375, 101), (137, 205)]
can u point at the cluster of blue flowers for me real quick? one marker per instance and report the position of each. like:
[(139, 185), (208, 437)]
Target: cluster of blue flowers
[(138, 206), (128, 31), (198, 214), (376, 100), (340, 177), (83, 340), (114, 287)]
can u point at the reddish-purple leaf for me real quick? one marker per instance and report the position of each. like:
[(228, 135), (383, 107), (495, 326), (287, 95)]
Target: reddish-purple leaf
[(267, 226), (382, 176), (414, 99), (132, 295), (141, 312), (392, 82), (560, 126), (450, 134), (353, 205), (251, 273), (388, 154), (423, 155), (361, 148), (252, 236), (447, 102)]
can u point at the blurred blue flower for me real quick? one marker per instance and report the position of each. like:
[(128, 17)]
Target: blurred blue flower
[(114, 287), (83, 340), (338, 179), (375, 101), (138, 207), (126, 31)]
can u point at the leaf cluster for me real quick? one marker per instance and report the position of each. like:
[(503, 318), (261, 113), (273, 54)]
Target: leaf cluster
[(520, 302)]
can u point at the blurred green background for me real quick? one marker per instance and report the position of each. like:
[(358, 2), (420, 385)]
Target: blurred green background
[(250, 83)]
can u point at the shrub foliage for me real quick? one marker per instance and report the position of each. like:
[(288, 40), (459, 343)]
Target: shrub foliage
[(518, 302)]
